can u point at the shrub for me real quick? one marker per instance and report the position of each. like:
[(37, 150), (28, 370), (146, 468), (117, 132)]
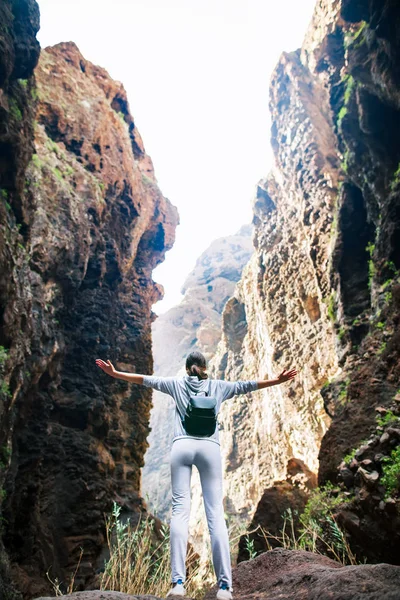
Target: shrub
[(3, 355), (396, 178), (15, 110), (139, 560), (387, 419), (319, 531), (391, 472)]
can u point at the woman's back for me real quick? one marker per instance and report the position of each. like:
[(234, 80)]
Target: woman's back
[(181, 387)]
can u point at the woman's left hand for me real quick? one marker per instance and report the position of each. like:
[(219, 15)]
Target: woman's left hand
[(287, 375)]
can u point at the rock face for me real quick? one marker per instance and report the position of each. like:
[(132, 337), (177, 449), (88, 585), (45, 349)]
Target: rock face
[(321, 292), (295, 575), (272, 511), (80, 238), (193, 324), (19, 53)]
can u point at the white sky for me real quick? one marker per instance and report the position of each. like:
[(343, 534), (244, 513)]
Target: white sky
[(197, 75)]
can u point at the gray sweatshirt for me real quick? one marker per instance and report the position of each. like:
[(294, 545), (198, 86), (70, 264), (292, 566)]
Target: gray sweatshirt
[(177, 388)]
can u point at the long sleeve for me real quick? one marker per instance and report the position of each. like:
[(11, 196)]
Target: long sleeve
[(167, 385), (236, 388)]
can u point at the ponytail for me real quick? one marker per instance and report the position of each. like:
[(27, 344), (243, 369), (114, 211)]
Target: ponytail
[(196, 365)]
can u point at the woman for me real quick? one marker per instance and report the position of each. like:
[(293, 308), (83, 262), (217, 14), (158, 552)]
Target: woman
[(204, 453)]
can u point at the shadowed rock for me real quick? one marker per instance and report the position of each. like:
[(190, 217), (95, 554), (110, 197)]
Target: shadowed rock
[(295, 575)]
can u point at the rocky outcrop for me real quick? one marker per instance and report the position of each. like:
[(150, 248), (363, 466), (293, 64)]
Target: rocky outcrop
[(296, 575), (321, 292), (193, 324), (19, 53), (278, 510), (361, 76), (370, 477), (293, 575), (81, 238)]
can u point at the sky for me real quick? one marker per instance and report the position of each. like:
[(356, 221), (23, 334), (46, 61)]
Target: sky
[(197, 75)]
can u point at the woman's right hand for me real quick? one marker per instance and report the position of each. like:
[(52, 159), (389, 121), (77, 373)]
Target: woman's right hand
[(107, 367)]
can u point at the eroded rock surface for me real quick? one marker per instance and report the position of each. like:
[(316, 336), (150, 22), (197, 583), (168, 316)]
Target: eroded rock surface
[(278, 511), (295, 575), (321, 292), (80, 242)]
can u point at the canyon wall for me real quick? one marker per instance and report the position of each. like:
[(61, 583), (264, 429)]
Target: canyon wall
[(194, 324), (83, 225), (322, 291)]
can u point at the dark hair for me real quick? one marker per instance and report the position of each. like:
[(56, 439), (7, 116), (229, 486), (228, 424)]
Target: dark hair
[(196, 365)]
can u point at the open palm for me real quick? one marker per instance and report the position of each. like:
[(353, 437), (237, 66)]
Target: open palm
[(107, 367), (286, 375)]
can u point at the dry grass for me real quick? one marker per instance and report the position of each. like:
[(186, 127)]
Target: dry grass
[(70, 587), (139, 560), (328, 540)]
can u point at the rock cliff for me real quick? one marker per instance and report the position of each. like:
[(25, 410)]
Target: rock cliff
[(83, 225), (322, 290), (195, 323)]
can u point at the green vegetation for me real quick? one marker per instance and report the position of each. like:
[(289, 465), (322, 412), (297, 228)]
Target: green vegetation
[(389, 418), (380, 325), (350, 85), (351, 37), (23, 83), (343, 391), (396, 178), (58, 173), (34, 94), (320, 532), (15, 111), (382, 348), (52, 146), (391, 472), (250, 547), (37, 161), (332, 307), (68, 170), (345, 161), (4, 389), (341, 114), (388, 297), (390, 265), (139, 560), (3, 355), (349, 457), (356, 322), (341, 333), (121, 117), (370, 248)]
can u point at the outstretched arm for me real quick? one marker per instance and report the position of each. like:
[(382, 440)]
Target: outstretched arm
[(109, 369), (284, 376)]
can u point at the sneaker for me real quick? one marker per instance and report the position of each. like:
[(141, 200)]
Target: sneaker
[(224, 593), (177, 590)]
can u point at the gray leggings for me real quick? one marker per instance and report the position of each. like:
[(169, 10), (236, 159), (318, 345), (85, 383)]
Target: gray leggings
[(206, 456)]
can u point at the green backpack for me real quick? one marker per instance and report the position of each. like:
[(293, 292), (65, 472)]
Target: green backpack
[(200, 419)]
